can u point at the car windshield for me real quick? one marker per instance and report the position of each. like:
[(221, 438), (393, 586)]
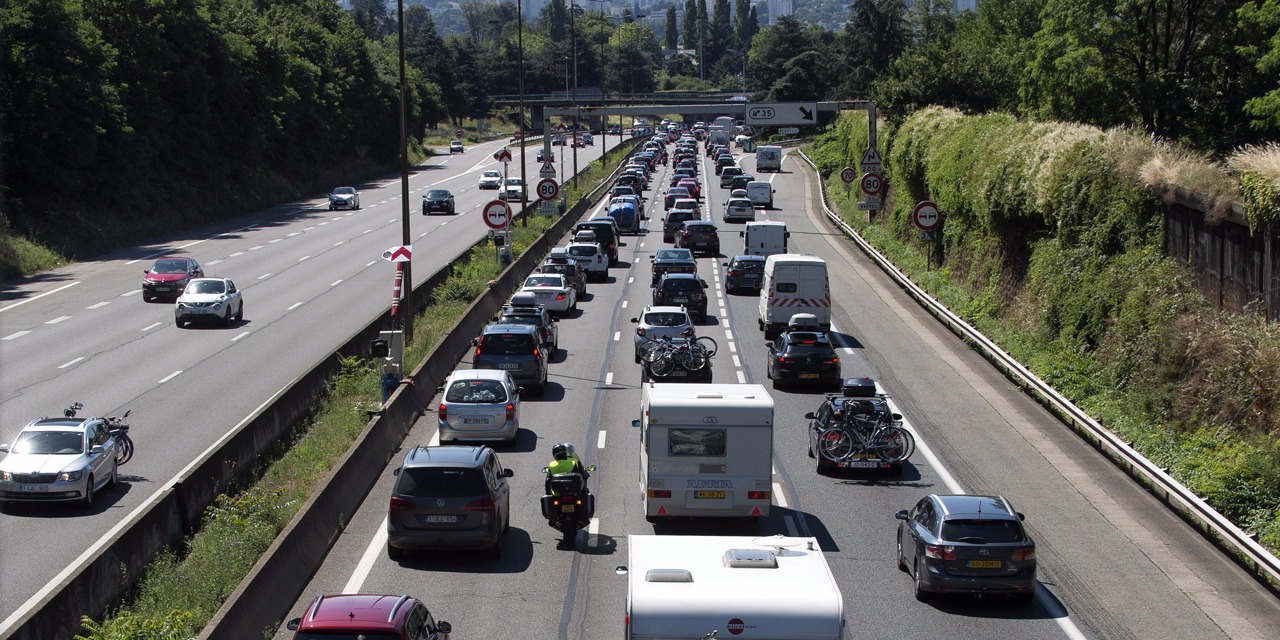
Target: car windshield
[(492, 174), (437, 482), (583, 250), (344, 191), (514, 182), (476, 392), (438, 194), (982, 531), (206, 286), (507, 344), (49, 442), (544, 281), (170, 266), (665, 319)]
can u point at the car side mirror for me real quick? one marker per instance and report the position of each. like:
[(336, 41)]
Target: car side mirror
[(724, 264), (634, 423), (4, 448), (475, 342), (439, 389), (635, 320), (97, 448), (444, 627), (519, 390), (396, 472), (742, 234), (507, 473), (294, 624), (901, 515), (1020, 516), (810, 416)]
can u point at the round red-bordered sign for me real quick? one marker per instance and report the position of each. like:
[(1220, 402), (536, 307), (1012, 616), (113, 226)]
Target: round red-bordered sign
[(497, 214), (548, 189), (926, 216), (736, 626), (848, 175), (872, 184)]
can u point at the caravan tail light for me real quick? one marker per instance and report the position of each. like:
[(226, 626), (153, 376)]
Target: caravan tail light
[(758, 495), (659, 493)]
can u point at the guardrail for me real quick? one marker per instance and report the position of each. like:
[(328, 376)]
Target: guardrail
[(1242, 546)]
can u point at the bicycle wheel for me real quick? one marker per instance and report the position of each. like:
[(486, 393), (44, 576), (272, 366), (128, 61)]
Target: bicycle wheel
[(125, 452), (895, 444), (708, 345), (663, 366), (651, 351), (835, 444), (693, 359)]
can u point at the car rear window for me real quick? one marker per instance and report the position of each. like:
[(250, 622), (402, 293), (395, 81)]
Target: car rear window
[(442, 482), (681, 284), (981, 531), (506, 344), (749, 265), (340, 635), (544, 281), (584, 251), (476, 391), (665, 319)]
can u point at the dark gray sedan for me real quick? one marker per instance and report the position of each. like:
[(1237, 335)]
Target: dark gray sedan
[(438, 201)]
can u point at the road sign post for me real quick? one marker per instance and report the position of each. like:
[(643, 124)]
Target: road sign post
[(927, 219)]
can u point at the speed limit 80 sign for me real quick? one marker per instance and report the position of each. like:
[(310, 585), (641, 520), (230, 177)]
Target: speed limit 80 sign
[(872, 184), (548, 189)]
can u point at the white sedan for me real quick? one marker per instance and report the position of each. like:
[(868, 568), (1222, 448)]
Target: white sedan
[(59, 459), (554, 293), (514, 191), (491, 179), (215, 299)]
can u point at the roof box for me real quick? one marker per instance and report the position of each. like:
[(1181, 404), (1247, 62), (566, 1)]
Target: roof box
[(858, 388)]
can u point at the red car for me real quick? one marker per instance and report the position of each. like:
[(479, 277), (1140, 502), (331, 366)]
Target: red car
[(168, 277), (365, 615), (692, 185)]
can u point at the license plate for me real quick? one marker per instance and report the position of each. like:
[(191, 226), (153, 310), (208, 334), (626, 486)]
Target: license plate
[(808, 376), (33, 488), (679, 299), (566, 508), (163, 288), (197, 310), (718, 495), (475, 421), (984, 564), (508, 365), (861, 464), (678, 373), (441, 519)]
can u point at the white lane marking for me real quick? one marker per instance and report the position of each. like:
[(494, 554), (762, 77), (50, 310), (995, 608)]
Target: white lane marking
[(733, 347), (366, 231), (737, 362), (600, 443), (608, 378), (292, 234), (624, 304), (335, 283), (636, 261), (274, 241), (240, 336), (58, 319), (294, 306), (631, 279), (265, 275), (152, 326), (593, 532), (371, 263), (130, 293), (309, 228), (791, 526), (742, 377), (238, 253), (255, 248), (840, 340), (169, 377), (303, 258), (337, 243), (777, 495), (212, 262), (616, 335), (371, 554), (71, 363), (98, 305)]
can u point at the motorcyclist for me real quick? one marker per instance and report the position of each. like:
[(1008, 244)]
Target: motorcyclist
[(565, 460)]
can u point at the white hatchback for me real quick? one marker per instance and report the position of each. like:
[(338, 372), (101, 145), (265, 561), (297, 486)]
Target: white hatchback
[(491, 179), (479, 405)]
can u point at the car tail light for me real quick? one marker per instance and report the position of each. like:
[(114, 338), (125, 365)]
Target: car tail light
[(560, 296), (835, 360), (659, 493), (511, 412), (757, 495), (443, 412), (484, 504), (732, 273), (478, 346), (688, 233), (400, 504), (640, 331), (1023, 554), (782, 360), (939, 552), (535, 352)]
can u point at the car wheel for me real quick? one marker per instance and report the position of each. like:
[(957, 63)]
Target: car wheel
[(902, 562), (496, 550), (226, 321), (1024, 599), (240, 312), (87, 501), (920, 593), (179, 323), (395, 554), (147, 298), (115, 474)]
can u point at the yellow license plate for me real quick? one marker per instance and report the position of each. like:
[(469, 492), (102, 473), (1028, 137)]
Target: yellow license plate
[(566, 508), (984, 564), (709, 494)]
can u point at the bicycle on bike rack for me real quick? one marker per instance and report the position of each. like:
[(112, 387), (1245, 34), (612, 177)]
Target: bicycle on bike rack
[(116, 427), (684, 357), (858, 432)]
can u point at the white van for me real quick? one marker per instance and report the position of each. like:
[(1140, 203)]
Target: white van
[(706, 450), (755, 587), (766, 238), (760, 193), (768, 158), (792, 284)]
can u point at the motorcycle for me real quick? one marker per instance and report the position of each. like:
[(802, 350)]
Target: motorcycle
[(568, 505)]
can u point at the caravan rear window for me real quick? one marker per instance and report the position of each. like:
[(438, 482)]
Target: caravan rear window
[(696, 442), (786, 287)]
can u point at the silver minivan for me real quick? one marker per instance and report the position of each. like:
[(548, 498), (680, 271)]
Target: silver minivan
[(516, 349)]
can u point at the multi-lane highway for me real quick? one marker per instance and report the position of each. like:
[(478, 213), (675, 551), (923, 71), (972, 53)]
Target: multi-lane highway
[(1114, 563), (311, 278)]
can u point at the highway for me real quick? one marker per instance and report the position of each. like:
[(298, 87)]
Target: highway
[(1113, 561), (311, 278)]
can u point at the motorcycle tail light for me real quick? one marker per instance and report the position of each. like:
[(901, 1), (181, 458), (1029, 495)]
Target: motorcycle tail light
[(443, 412), (939, 552), (484, 504), (400, 504), (659, 493)]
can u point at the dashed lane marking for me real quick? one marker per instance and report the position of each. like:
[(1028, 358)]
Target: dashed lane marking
[(169, 377), (71, 363)]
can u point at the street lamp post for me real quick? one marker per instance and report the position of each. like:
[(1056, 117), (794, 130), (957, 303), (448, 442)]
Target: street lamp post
[(524, 184), (406, 308), (604, 119), (573, 97)]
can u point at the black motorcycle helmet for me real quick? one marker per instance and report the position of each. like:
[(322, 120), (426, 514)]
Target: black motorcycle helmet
[(562, 451)]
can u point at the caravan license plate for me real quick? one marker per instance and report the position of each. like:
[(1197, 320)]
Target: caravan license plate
[(719, 495), (984, 564)]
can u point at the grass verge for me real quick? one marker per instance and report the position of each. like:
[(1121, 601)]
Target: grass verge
[(183, 588)]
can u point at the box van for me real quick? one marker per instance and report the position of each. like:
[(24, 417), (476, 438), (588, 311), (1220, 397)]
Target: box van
[(766, 238), (706, 450), (792, 284), (760, 194), (768, 158), (759, 587)]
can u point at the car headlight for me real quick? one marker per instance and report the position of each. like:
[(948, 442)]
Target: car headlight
[(6, 476), (70, 476)]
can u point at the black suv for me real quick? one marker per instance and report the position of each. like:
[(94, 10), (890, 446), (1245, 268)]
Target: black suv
[(671, 261), (682, 289), (604, 237), (803, 357), (449, 497), (675, 220), (699, 235), (438, 200)]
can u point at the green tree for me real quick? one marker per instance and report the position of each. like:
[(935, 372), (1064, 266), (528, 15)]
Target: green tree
[(743, 27), (777, 42), (801, 80), (673, 30), (554, 20), (875, 35), (720, 33), (373, 18), (1263, 22), (690, 31)]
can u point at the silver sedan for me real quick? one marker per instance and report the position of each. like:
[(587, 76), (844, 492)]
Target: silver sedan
[(58, 460)]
